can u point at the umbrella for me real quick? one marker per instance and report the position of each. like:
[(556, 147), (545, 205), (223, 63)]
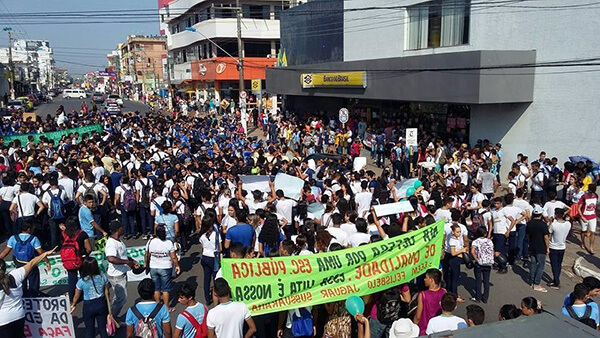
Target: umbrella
[(581, 158)]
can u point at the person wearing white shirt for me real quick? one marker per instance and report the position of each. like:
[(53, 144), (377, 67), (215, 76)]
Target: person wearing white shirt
[(527, 211), (444, 211), (552, 205), (127, 217), (24, 204), (144, 191), (118, 266), (559, 230), (228, 317), (501, 226), (7, 193), (515, 216), (54, 221), (335, 231), (284, 206), (363, 200), (361, 236), (446, 321)]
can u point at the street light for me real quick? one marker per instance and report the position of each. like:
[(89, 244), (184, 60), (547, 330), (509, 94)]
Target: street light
[(10, 63)]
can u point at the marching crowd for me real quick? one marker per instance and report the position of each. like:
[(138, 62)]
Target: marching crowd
[(175, 181)]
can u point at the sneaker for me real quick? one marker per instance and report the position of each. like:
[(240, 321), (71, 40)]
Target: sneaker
[(473, 299), (554, 286), (137, 235), (503, 271), (539, 288)]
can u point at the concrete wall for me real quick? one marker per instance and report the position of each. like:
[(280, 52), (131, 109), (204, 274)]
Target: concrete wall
[(563, 118)]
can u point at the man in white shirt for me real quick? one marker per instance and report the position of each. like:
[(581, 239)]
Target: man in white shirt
[(118, 266), (335, 231), (363, 200), (24, 204), (227, 318), (527, 210), (446, 321), (537, 182), (515, 216), (444, 211), (552, 205), (284, 206), (500, 228)]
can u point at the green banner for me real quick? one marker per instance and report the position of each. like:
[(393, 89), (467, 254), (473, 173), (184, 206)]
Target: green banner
[(268, 285), (54, 135)]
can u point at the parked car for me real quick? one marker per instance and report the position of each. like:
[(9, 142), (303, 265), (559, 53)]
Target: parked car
[(113, 108), (16, 105), (74, 94), (41, 96), (98, 97), (114, 98), (26, 102)]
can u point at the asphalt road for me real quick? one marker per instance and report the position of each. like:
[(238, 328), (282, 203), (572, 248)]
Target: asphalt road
[(75, 104), (508, 288)]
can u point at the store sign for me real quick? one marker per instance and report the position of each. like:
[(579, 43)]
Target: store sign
[(221, 67), (256, 85), (331, 80)]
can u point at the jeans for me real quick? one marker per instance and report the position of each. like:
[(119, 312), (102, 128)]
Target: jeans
[(31, 284), (54, 230), (380, 159), (537, 268), (512, 247), (6, 221), (556, 258), (118, 288), (541, 194), (72, 278), (522, 242), (500, 246), (14, 329), (454, 264), (128, 220), (95, 311), (162, 279), (208, 265), (146, 220), (482, 274)]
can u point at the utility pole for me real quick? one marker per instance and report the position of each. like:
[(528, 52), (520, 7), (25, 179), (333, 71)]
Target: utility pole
[(239, 41), (11, 67)]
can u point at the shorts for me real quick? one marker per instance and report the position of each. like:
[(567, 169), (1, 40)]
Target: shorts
[(589, 224), (162, 279)]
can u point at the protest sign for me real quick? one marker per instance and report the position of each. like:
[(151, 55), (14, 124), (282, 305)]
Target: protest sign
[(255, 182), (58, 275), (392, 208), (359, 163), (316, 210), (290, 185), (55, 135), (48, 317), (269, 285)]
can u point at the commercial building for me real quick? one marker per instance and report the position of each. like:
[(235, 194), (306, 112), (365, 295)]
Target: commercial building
[(508, 72), (203, 48), (141, 63), (34, 65)]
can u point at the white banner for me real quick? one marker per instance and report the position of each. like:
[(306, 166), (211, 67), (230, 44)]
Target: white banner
[(255, 182), (392, 208), (48, 317), (290, 185), (359, 163)]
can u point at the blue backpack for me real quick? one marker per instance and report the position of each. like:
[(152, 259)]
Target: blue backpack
[(57, 206), (23, 250), (302, 323)]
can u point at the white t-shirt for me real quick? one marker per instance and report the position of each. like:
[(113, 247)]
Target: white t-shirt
[(445, 323), (358, 238), (558, 234), (7, 193), (448, 232), (208, 244), (68, 186), (97, 188), (253, 206), (47, 198), (284, 207), (227, 319), (160, 253), (477, 198), (524, 206), (139, 186), (11, 306), (513, 212), (339, 234), (500, 222), (550, 206), (363, 203), (444, 214), (98, 172), (120, 190), (349, 228), (116, 248), (26, 204), (200, 211), (157, 201)]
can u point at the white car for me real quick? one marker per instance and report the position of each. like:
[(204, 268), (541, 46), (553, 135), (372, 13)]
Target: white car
[(115, 98)]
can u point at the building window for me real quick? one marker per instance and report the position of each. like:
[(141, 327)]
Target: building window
[(438, 24)]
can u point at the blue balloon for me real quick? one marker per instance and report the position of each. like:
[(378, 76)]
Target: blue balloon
[(354, 305), (410, 191), (418, 184)]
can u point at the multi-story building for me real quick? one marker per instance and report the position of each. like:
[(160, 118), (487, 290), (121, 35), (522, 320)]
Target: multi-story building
[(509, 72), (203, 48), (34, 64), (141, 60)]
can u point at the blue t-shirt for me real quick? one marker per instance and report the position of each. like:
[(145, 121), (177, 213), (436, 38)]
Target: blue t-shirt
[(188, 330), (145, 308), (241, 233), (85, 221), (92, 289), (267, 248), (579, 309), (35, 242), (169, 222)]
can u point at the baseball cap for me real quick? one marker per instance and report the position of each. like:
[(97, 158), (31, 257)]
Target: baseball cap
[(404, 328), (537, 210)]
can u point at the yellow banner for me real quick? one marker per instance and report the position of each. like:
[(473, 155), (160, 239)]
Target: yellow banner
[(340, 79)]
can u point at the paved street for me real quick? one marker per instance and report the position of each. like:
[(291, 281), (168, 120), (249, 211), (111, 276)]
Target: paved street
[(74, 104)]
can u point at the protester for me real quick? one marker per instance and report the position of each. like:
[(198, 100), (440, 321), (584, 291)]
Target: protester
[(161, 260), (429, 300), (587, 214), (537, 232), (118, 266), (148, 315), (94, 287), (579, 308), (475, 315), (559, 230), (227, 318), (447, 321), (76, 245), (482, 251), (191, 322), (530, 306), (509, 311)]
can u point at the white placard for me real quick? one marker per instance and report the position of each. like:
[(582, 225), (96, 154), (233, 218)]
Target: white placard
[(411, 137), (392, 208), (48, 317), (290, 185), (255, 182), (312, 165), (359, 163)]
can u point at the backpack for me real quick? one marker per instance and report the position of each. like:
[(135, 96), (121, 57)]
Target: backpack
[(393, 155), (187, 213), (572, 314), (57, 206), (129, 201), (302, 323), (477, 220), (146, 326), (23, 250), (89, 191), (389, 306), (201, 328), (70, 253), (145, 199)]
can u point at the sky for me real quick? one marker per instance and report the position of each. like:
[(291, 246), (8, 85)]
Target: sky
[(85, 44)]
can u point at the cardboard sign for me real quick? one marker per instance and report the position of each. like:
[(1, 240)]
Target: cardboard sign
[(392, 208), (48, 317), (359, 163), (290, 185), (255, 182)]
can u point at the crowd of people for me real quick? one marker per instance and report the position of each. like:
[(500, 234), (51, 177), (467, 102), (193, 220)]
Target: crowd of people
[(175, 181)]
